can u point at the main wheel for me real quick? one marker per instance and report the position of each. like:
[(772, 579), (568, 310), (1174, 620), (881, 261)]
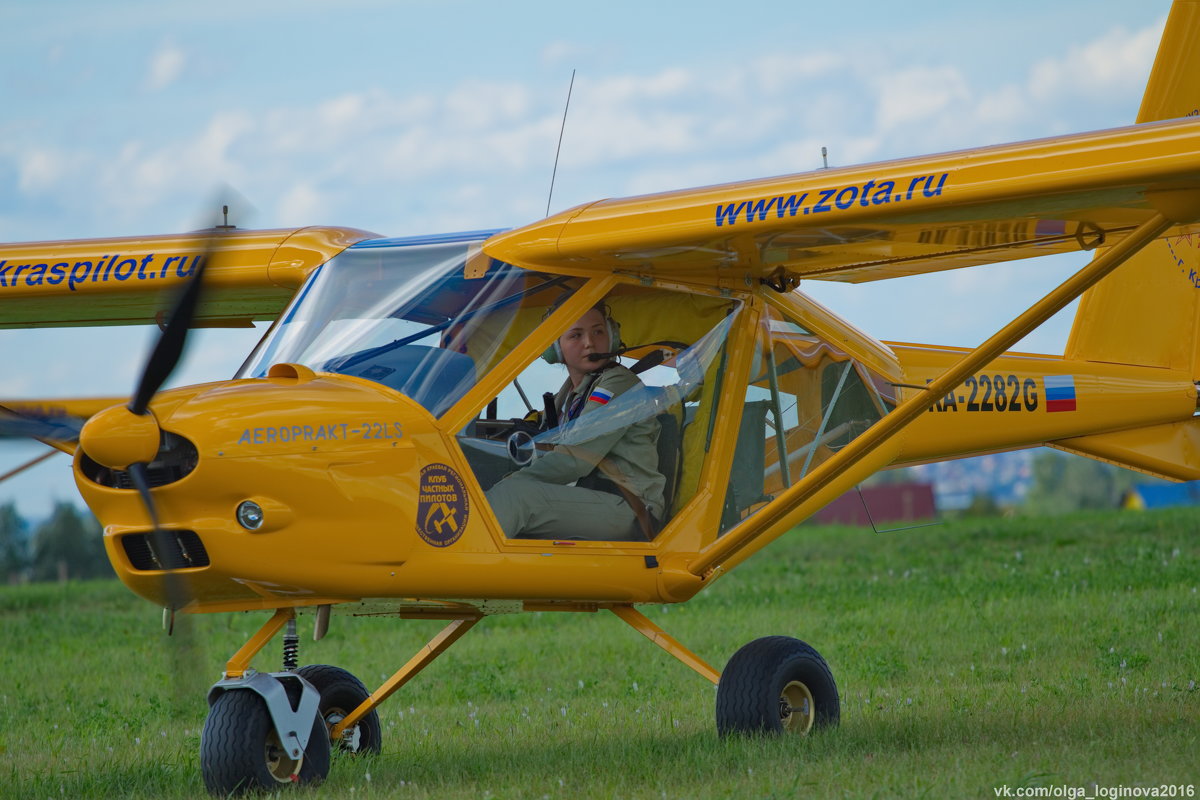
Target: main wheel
[(241, 752), (341, 693), (776, 685)]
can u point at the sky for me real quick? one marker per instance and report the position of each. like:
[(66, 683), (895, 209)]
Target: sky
[(405, 118)]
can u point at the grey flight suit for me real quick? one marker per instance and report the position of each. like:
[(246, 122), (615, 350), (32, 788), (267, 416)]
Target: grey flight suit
[(538, 502)]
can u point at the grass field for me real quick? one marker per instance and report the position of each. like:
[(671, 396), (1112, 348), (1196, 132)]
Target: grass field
[(970, 656)]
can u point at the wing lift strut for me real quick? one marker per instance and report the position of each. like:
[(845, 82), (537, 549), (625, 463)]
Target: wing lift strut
[(847, 465)]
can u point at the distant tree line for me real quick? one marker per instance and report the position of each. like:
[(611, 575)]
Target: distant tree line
[(67, 545), (1063, 483)]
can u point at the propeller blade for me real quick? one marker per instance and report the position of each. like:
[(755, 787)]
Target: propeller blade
[(164, 544), (186, 653), (169, 347)]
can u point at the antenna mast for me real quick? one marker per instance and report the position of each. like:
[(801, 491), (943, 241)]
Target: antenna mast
[(558, 150)]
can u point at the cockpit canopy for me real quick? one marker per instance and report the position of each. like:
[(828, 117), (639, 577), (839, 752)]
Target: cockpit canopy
[(403, 313)]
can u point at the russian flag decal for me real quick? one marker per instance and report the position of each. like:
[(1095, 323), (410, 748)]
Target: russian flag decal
[(1060, 392), (601, 396)]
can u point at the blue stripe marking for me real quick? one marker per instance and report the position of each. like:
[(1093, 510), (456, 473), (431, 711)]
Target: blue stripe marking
[(1060, 387)]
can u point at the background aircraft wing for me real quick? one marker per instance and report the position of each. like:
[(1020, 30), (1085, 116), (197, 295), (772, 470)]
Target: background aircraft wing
[(883, 220), (128, 281)]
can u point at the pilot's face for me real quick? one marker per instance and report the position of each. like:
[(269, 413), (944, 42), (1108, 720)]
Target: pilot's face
[(588, 335)]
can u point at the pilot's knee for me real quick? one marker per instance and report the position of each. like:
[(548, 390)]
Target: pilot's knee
[(506, 505)]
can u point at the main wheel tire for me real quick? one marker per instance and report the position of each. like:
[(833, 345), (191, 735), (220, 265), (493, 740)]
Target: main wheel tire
[(776, 685), (240, 750), (341, 693)]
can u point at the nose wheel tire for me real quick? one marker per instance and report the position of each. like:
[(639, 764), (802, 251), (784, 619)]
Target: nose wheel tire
[(776, 685), (341, 693), (241, 752)]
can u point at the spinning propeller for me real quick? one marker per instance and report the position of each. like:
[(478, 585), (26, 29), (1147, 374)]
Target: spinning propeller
[(128, 438)]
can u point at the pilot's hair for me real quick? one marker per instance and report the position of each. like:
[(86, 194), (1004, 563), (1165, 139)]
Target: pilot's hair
[(601, 306)]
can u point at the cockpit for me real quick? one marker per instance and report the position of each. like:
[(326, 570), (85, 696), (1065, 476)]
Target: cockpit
[(432, 318)]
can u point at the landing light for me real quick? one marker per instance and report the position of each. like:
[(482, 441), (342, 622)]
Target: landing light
[(250, 515)]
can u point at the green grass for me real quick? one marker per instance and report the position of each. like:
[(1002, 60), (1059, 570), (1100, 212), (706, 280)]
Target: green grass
[(968, 656)]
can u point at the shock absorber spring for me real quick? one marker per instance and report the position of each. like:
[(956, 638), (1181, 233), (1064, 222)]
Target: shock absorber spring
[(291, 647)]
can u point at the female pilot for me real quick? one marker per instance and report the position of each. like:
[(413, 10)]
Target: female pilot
[(607, 488)]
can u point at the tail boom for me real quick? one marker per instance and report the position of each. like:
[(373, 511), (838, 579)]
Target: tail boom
[(1136, 416)]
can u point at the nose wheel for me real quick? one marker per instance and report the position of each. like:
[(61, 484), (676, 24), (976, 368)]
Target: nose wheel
[(240, 750), (776, 685)]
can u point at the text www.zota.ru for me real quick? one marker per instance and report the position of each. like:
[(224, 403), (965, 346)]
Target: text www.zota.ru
[(870, 193)]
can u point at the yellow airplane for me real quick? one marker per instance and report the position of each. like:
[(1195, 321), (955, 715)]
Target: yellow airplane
[(355, 462)]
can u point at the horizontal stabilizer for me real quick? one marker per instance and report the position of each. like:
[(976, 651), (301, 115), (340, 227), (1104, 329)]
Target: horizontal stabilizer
[(1169, 451)]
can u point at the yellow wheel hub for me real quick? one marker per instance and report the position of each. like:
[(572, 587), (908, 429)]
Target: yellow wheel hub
[(282, 768), (797, 712)]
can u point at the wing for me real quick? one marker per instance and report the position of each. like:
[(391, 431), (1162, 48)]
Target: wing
[(882, 220), (134, 280)]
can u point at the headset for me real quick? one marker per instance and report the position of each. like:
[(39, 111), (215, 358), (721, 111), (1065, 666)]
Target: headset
[(553, 354)]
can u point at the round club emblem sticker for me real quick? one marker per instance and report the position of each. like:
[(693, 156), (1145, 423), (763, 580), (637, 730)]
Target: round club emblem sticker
[(442, 507)]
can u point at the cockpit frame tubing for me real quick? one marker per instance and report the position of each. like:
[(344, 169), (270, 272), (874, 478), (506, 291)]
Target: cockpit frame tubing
[(699, 520), (847, 368), (779, 515), (777, 413)]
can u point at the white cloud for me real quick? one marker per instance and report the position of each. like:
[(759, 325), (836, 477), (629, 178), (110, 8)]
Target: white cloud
[(778, 72), (560, 52), (300, 205), (40, 170), (916, 95), (620, 90), (342, 111), (381, 159), (1118, 62), (1002, 106), (484, 105), (166, 65)]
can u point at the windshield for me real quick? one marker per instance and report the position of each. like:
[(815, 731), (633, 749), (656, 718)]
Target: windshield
[(410, 315)]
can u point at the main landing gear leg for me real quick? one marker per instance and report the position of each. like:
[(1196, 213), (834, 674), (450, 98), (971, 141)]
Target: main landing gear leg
[(438, 645), (774, 685), (637, 620)]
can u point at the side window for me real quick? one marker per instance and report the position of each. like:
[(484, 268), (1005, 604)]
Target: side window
[(805, 401), (640, 433)]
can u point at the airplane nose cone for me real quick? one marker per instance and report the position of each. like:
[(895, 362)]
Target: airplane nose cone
[(117, 437)]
